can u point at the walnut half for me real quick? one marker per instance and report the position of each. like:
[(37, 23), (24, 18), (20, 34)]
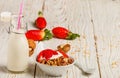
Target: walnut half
[(64, 47)]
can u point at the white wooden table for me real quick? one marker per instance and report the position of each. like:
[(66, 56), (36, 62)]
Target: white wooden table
[(97, 21)]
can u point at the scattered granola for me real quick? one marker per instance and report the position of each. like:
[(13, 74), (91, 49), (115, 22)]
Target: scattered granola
[(114, 64)]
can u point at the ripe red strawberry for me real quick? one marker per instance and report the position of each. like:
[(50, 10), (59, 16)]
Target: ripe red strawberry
[(38, 35), (40, 22), (63, 33), (47, 53)]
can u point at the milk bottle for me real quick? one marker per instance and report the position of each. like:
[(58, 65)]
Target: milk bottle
[(18, 50)]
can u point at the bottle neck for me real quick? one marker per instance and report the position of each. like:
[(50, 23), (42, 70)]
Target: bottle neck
[(14, 24)]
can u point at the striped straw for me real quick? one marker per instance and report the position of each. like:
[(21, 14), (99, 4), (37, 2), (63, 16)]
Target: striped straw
[(20, 15)]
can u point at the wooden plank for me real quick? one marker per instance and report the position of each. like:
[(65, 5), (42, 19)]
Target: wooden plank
[(105, 14), (30, 12), (76, 16)]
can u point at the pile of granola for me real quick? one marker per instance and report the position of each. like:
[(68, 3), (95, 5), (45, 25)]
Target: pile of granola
[(61, 61)]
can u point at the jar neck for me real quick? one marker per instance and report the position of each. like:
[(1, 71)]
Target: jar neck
[(14, 25)]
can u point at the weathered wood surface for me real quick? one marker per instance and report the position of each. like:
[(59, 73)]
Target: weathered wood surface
[(97, 21), (106, 21)]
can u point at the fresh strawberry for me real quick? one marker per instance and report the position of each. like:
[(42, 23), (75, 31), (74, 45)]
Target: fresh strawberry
[(38, 35), (39, 56), (47, 53), (40, 22), (35, 34), (63, 53), (63, 33), (55, 53)]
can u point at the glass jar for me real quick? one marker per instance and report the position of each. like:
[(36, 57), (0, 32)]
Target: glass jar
[(18, 49)]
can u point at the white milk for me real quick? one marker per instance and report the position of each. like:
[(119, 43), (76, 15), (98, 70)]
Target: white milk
[(18, 51)]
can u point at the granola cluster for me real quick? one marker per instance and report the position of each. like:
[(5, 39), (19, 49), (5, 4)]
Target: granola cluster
[(61, 61)]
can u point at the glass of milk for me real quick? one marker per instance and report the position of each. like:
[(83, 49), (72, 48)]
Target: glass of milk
[(18, 49)]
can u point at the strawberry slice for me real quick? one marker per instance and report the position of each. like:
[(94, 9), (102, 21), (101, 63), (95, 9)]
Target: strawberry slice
[(47, 54), (39, 56), (55, 53), (63, 53)]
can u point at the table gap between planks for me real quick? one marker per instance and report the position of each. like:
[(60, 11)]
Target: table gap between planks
[(97, 21)]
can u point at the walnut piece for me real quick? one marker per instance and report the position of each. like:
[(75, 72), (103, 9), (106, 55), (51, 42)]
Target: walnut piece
[(64, 47), (32, 46)]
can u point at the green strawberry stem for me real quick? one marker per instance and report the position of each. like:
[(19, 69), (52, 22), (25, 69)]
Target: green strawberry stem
[(40, 14), (48, 34), (72, 36)]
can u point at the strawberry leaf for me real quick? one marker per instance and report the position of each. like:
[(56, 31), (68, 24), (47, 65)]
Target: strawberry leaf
[(40, 13), (48, 34), (72, 36)]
